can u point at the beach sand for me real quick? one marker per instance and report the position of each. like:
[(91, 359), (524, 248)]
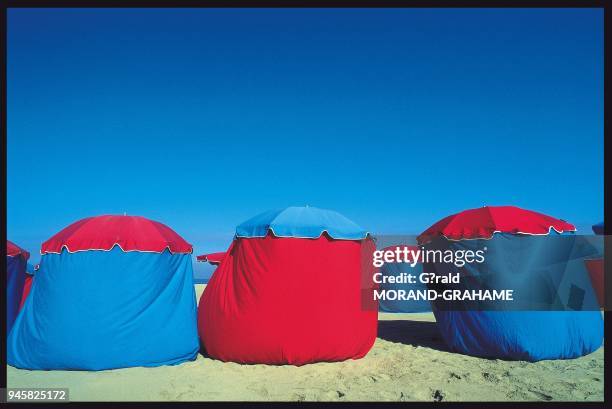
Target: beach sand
[(408, 362)]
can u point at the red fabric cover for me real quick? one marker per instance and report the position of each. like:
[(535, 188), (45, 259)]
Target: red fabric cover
[(13, 250), (482, 222), (595, 267), (26, 290), (212, 258), (289, 301), (131, 233)]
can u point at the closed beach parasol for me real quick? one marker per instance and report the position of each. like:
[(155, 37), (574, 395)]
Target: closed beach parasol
[(289, 291), (516, 258), (111, 292)]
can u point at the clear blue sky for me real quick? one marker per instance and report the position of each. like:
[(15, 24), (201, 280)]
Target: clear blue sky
[(396, 118)]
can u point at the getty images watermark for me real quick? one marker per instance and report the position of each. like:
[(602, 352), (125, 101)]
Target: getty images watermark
[(412, 256), (507, 272)]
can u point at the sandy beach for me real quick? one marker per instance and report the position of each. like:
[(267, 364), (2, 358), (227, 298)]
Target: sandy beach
[(408, 362)]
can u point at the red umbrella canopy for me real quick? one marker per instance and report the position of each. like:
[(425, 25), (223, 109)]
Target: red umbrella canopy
[(483, 222), (212, 258), (13, 250), (130, 233)]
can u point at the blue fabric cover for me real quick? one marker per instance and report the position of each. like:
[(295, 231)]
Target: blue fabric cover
[(15, 278), (548, 268), (403, 306), (303, 222), (94, 310), (522, 335), (599, 228)]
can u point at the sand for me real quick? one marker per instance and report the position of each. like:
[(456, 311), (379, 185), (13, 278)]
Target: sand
[(408, 362)]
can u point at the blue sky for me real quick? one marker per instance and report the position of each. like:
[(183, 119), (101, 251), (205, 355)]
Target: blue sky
[(396, 118)]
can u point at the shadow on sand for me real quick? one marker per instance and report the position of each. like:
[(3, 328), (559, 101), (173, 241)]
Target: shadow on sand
[(416, 333)]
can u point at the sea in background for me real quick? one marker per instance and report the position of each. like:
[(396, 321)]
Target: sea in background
[(202, 272)]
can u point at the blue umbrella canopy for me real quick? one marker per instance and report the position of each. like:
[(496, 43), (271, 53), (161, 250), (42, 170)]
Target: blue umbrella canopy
[(598, 228), (301, 222)]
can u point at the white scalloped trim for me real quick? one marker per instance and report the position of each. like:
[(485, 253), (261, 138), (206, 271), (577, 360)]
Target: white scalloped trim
[(64, 246), (498, 231), (206, 260), (269, 228)]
